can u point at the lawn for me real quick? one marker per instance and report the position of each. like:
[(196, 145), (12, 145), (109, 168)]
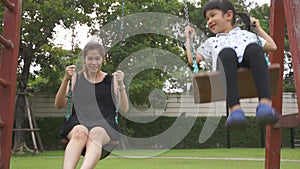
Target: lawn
[(235, 158)]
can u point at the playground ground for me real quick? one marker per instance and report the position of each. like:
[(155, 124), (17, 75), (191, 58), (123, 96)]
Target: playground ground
[(234, 158)]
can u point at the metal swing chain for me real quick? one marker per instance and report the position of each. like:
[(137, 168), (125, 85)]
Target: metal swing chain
[(187, 22), (69, 102), (117, 104), (123, 14), (186, 13), (122, 23), (70, 94), (260, 44), (118, 88)]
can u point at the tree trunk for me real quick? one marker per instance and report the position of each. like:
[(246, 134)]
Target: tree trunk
[(20, 106), (19, 137)]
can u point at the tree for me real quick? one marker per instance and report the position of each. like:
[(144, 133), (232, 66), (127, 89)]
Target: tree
[(37, 50), (39, 18)]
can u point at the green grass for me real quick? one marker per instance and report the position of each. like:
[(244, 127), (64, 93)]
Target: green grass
[(166, 160)]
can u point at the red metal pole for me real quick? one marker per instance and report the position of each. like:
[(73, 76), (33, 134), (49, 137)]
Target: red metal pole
[(273, 135), (8, 72)]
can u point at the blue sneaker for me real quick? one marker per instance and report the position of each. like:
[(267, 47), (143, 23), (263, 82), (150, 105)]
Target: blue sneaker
[(236, 120), (265, 115)]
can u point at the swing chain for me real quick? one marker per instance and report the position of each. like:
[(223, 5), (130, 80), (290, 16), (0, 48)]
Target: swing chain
[(70, 95), (260, 44), (195, 65), (123, 14), (69, 102), (117, 103), (73, 30), (121, 44), (187, 22), (186, 11), (122, 24)]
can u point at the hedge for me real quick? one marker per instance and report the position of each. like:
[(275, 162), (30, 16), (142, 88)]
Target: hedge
[(249, 138)]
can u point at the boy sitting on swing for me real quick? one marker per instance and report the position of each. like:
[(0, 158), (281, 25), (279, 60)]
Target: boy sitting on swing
[(231, 49)]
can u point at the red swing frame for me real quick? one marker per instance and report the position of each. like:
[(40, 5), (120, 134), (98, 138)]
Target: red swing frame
[(10, 40), (9, 56)]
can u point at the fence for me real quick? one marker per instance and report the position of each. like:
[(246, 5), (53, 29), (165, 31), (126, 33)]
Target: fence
[(43, 106)]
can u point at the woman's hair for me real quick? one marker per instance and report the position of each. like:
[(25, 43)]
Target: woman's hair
[(92, 45), (223, 5)]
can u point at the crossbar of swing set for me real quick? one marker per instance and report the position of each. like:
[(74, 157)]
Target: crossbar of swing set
[(9, 5), (2, 124), (3, 83), (6, 42), (9, 45)]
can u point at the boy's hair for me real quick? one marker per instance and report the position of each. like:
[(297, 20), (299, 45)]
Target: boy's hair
[(223, 5)]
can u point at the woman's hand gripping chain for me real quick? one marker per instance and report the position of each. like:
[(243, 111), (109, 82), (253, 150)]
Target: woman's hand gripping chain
[(70, 71)]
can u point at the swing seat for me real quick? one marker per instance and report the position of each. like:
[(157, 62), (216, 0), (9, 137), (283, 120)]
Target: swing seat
[(208, 87), (106, 149)]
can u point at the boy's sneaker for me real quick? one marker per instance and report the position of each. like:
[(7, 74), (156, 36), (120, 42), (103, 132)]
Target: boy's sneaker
[(236, 120), (265, 115)]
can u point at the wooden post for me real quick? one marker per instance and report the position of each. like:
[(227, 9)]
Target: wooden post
[(273, 135), (292, 17), (8, 76)]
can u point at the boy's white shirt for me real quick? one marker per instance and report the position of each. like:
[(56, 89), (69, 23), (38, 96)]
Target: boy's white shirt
[(236, 39)]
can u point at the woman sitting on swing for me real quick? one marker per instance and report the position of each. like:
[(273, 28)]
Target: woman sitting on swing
[(230, 49), (97, 98)]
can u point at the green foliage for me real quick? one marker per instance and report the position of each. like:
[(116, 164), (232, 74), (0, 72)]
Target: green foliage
[(249, 138), (48, 78), (1, 16), (289, 85), (39, 20), (143, 84), (263, 14), (41, 17), (50, 132)]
